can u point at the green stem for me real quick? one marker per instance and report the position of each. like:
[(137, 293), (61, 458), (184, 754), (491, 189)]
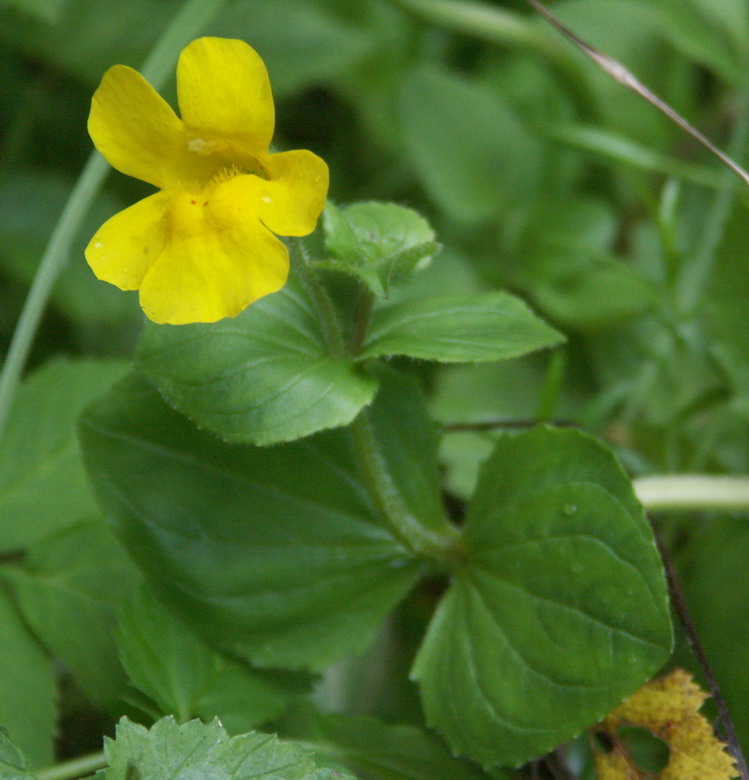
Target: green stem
[(693, 493), (324, 306), (361, 321), (191, 18), (389, 504), (76, 767), (372, 466)]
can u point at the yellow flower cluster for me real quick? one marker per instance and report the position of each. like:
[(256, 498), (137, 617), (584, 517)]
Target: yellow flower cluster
[(203, 247)]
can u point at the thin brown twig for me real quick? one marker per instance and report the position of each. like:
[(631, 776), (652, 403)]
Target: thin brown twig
[(680, 606), (627, 79)]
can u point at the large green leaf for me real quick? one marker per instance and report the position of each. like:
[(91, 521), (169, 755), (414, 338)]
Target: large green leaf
[(275, 553), (263, 377), (378, 750), (169, 751), (77, 577), (561, 610), (42, 483), (458, 329), (186, 678), (28, 691)]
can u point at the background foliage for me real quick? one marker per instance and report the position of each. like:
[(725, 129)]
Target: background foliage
[(537, 175)]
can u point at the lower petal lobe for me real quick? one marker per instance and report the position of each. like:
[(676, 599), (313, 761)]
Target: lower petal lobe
[(213, 274), (129, 243)]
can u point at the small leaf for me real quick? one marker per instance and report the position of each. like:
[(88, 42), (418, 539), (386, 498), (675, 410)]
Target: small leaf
[(381, 243), (458, 329), (77, 577), (42, 482), (274, 553), (186, 678), (562, 601), (28, 690), (197, 750), (12, 761), (261, 378), (669, 709)]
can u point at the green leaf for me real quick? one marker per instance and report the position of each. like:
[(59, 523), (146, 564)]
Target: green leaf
[(593, 293), (559, 614), (470, 149), (381, 243), (378, 750), (186, 678), (455, 329), (42, 483), (172, 752), (274, 553), (28, 691), (12, 761), (46, 10), (76, 578), (263, 377), (694, 27)]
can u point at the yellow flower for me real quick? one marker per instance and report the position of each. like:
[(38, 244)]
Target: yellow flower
[(203, 247)]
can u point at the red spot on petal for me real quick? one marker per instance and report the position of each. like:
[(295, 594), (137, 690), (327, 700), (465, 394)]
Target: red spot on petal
[(194, 202), (206, 203)]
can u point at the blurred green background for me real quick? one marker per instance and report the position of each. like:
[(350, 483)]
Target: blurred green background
[(538, 173)]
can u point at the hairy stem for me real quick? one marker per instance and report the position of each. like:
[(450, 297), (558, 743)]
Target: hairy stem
[(326, 311), (190, 19), (374, 470), (361, 321), (389, 503)]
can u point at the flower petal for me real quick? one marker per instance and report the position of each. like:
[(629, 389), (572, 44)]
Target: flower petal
[(128, 244), (214, 273), (289, 203), (134, 127), (224, 91)]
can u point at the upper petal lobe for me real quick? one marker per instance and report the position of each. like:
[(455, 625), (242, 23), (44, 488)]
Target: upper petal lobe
[(134, 127), (224, 92)]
